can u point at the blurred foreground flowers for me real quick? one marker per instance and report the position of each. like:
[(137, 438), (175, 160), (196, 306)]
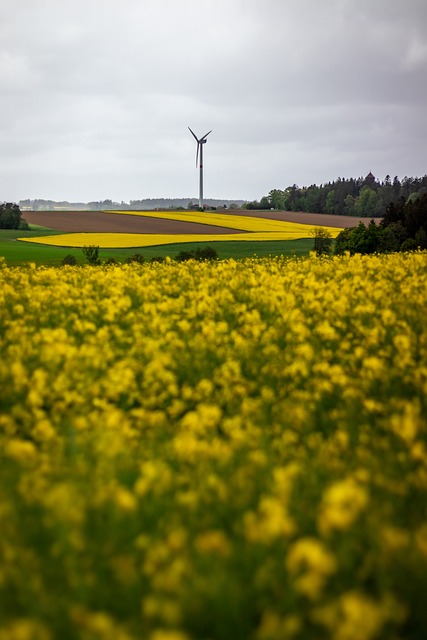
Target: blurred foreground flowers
[(230, 450)]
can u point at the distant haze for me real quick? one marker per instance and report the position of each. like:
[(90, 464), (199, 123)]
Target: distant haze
[(144, 204), (96, 95)]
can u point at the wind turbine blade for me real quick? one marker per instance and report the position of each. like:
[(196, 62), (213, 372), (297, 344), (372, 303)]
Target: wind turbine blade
[(194, 135), (197, 154), (206, 134)]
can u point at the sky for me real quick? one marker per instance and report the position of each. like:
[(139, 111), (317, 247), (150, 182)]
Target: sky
[(96, 96)]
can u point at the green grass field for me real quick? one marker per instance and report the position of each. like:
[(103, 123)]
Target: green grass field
[(17, 253)]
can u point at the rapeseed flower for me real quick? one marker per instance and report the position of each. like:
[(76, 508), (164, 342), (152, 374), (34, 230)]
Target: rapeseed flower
[(195, 450)]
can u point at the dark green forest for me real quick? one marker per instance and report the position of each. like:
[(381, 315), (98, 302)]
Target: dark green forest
[(362, 197), (402, 228)]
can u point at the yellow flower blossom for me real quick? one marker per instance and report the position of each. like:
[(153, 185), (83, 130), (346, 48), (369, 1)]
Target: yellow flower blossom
[(275, 627), (124, 499), (407, 423), (164, 609), (21, 450), (341, 504), (311, 563), (213, 542), (269, 522)]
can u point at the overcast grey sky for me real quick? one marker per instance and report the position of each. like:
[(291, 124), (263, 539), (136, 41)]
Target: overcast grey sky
[(96, 95)]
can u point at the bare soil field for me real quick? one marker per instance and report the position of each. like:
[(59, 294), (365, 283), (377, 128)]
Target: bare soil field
[(100, 222)]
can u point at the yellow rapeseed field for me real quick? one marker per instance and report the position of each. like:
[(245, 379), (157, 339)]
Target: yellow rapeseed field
[(257, 229), (232, 221), (223, 451)]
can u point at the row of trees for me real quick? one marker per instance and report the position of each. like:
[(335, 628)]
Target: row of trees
[(361, 197), (143, 204)]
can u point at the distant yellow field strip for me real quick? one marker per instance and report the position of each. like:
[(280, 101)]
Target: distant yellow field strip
[(242, 223), (123, 240)]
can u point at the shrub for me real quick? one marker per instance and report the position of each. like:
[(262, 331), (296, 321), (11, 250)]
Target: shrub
[(409, 245), (322, 241), (137, 257), (205, 253), (69, 260), (91, 253), (183, 256), (360, 239), (342, 241)]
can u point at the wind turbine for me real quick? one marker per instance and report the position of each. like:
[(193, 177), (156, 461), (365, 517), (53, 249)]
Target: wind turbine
[(200, 142)]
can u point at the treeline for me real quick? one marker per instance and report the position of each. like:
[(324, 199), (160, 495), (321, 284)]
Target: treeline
[(145, 204), (181, 203), (39, 204), (403, 228), (362, 197)]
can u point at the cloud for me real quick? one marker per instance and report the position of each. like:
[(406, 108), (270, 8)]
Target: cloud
[(96, 97)]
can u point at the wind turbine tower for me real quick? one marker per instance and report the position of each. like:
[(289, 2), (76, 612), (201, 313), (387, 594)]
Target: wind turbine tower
[(200, 142)]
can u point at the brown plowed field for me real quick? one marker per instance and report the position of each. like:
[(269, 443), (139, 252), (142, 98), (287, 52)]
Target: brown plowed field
[(100, 222)]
